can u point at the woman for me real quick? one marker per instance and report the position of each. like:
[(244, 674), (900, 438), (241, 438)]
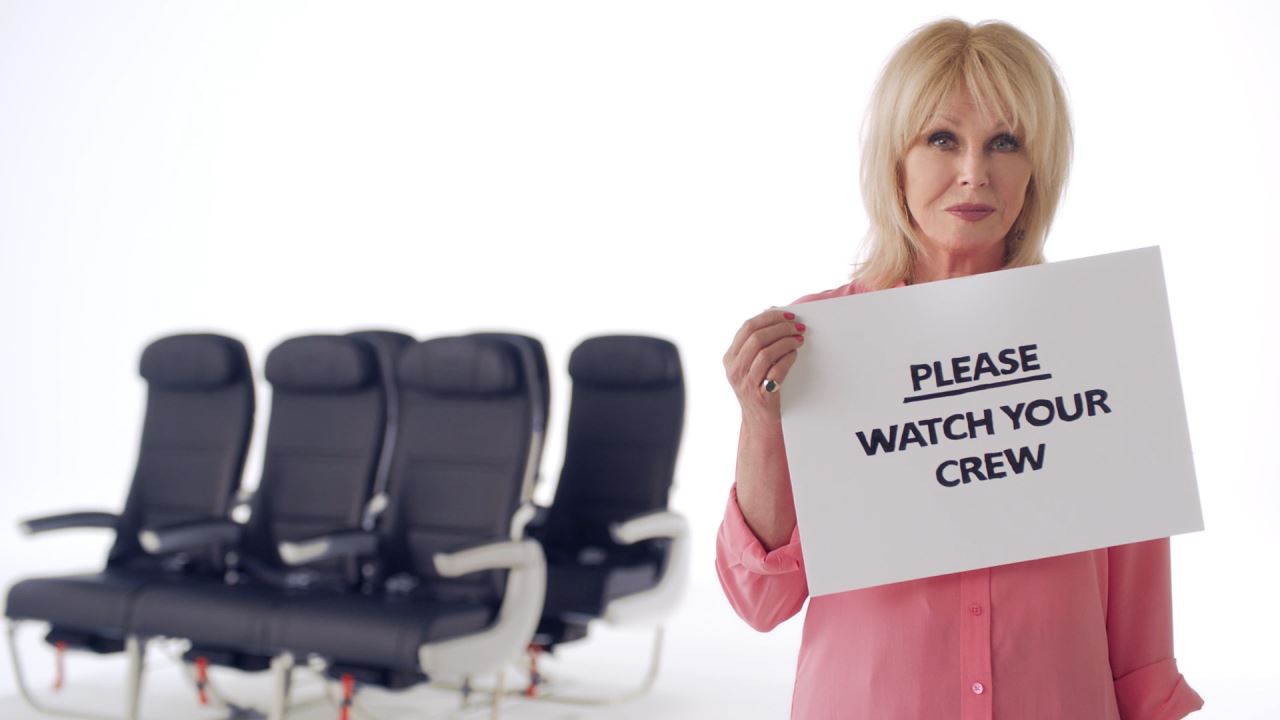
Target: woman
[(965, 158)]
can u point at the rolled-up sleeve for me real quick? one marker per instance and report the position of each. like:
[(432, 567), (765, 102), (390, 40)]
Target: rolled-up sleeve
[(1140, 634), (764, 587)]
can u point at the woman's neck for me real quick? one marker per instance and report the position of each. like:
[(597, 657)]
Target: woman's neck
[(944, 264)]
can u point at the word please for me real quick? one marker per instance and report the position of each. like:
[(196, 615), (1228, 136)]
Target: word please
[(971, 368)]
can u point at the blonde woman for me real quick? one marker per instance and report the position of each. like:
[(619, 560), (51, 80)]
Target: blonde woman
[(966, 153)]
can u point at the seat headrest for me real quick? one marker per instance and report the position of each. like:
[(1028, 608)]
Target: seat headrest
[(388, 341), (625, 361), (322, 363), (193, 362), (460, 366)]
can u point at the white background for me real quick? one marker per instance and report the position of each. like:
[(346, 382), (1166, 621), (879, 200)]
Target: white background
[(568, 169)]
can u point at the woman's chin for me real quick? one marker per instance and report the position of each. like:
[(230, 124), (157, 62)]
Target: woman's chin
[(967, 245)]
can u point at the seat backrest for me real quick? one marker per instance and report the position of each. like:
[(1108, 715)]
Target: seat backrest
[(328, 416), (460, 462), (534, 359), (625, 419), (388, 346), (196, 429)]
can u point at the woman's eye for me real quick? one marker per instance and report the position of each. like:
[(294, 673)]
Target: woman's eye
[(1005, 143), (942, 140)]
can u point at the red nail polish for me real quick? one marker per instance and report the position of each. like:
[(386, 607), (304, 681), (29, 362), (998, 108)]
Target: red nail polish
[(800, 338), (789, 315), (800, 327)]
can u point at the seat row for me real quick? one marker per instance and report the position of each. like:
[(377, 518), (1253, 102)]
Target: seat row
[(392, 536)]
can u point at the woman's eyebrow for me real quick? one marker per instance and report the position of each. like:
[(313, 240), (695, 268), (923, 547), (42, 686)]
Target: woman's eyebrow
[(1002, 127)]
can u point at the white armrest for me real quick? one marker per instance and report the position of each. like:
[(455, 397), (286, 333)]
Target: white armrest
[(494, 556), (345, 544), (652, 606), (302, 552), (521, 519), (378, 504), (664, 524), (507, 638), (242, 506)]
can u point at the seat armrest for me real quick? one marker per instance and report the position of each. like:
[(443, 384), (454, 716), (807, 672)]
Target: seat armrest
[(188, 535), (530, 521), (507, 555), (509, 635), (242, 506), (650, 526), (540, 514), (374, 509), (67, 521), (653, 606), (348, 543)]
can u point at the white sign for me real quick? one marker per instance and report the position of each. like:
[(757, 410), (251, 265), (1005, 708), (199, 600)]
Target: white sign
[(987, 420)]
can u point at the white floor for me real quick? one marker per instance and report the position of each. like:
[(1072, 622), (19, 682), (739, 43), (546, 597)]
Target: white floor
[(168, 696), (713, 667)]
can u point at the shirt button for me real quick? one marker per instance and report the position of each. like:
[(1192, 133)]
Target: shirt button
[(975, 609), (977, 688)]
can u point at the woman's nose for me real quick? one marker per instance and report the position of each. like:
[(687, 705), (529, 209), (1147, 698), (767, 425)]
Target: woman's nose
[(973, 171)]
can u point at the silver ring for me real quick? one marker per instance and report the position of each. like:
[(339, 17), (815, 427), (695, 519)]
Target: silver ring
[(770, 385)]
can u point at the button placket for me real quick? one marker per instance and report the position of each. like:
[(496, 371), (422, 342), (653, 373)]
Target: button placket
[(975, 645)]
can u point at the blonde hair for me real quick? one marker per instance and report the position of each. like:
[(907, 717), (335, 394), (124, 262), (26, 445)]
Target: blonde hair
[(1008, 75)]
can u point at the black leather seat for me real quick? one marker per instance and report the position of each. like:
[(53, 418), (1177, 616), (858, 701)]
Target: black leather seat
[(608, 536), (327, 427), (468, 407), (199, 416)]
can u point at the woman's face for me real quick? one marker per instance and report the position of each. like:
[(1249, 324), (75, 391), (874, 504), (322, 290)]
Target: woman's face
[(965, 179)]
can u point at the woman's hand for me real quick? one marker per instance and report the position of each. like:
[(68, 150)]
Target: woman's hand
[(764, 348)]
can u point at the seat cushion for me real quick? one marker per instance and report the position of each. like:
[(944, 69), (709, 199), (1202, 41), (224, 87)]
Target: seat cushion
[(585, 590), (96, 603), (377, 631), (209, 613)]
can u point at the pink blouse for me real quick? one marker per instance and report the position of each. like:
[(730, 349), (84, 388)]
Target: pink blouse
[(1081, 636)]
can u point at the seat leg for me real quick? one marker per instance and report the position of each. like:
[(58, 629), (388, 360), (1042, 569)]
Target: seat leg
[(655, 660), (135, 650), (651, 676), (535, 677), (61, 671), (24, 691), (464, 693), (281, 683), (496, 699)]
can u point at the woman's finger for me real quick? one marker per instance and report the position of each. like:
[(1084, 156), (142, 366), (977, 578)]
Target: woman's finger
[(778, 373), (752, 325), (767, 358), (764, 337)]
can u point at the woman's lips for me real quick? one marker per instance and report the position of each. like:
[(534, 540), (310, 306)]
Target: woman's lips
[(971, 213)]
